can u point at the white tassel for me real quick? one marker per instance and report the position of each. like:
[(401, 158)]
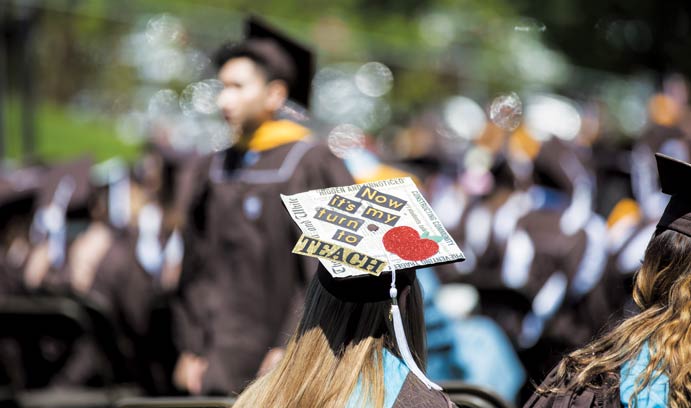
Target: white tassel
[(402, 343), (399, 333)]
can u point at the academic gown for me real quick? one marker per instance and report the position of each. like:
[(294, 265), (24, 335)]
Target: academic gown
[(414, 394), (123, 294), (604, 396), (125, 289), (402, 389), (543, 265), (241, 287)]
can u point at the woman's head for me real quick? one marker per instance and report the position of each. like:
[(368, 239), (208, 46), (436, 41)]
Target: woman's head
[(662, 290), (337, 344), (347, 317), (664, 279)]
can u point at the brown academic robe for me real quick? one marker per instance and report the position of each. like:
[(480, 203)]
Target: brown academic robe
[(123, 294), (414, 394), (554, 253), (484, 250), (139, 306), (241, 286), (603, 396)]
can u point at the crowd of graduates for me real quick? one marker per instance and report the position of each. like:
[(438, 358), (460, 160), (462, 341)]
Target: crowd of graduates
[(188, 256)]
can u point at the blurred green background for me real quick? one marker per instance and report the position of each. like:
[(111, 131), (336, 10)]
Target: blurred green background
[(91, 71)]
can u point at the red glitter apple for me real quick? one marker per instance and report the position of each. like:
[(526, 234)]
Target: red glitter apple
[(407, 244)]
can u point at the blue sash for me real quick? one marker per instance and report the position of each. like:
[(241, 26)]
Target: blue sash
[(395, 373), (652, 396)]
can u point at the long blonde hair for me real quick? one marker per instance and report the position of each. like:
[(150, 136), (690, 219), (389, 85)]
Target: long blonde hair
[(336, 346), (662, 290)]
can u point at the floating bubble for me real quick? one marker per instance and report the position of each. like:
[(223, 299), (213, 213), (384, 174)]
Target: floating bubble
[(374, 79), (465, 117), (338, 99), (220, 135), (186, 100), (186, 133), (163, 103), (164, 29), (529, 25), (206, 94), (345, 139), (506, 111), (162, 65), (200, 97), (335, 92), (196, 64), (372, 114)]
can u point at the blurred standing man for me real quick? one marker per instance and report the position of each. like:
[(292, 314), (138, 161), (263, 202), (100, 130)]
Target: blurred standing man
[(241, 285)]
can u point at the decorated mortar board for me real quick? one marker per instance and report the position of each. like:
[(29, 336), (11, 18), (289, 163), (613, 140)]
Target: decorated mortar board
[(369, 239), (289, 60), (674, 178)]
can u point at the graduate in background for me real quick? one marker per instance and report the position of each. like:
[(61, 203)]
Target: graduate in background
[(643, 361), (241, 286)]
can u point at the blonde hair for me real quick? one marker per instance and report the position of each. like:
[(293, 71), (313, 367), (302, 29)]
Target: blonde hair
[(662, 290), (337, 346)]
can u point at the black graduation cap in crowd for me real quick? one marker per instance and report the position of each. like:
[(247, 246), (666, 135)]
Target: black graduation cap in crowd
[(69, 185), (288, 59), (550, 166), (674, 181), (18, 193)]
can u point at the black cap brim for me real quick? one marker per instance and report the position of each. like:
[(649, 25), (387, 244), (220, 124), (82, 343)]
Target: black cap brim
[(674, 176)]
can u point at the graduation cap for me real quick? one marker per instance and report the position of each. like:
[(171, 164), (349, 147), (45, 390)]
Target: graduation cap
[(285, 58), (67, 185), (674, 176), (18, 192), (369, 239), (558, 166)]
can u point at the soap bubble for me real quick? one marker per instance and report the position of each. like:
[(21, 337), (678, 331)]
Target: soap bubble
[(528, 25), (163, 103), (506, 111), (200, 97), (196, 64), (219, 135), (374, 79), (162, 64), (345, 139), (164, 29)]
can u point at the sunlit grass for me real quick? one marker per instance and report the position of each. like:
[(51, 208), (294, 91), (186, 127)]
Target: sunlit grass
[(61, 134)]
